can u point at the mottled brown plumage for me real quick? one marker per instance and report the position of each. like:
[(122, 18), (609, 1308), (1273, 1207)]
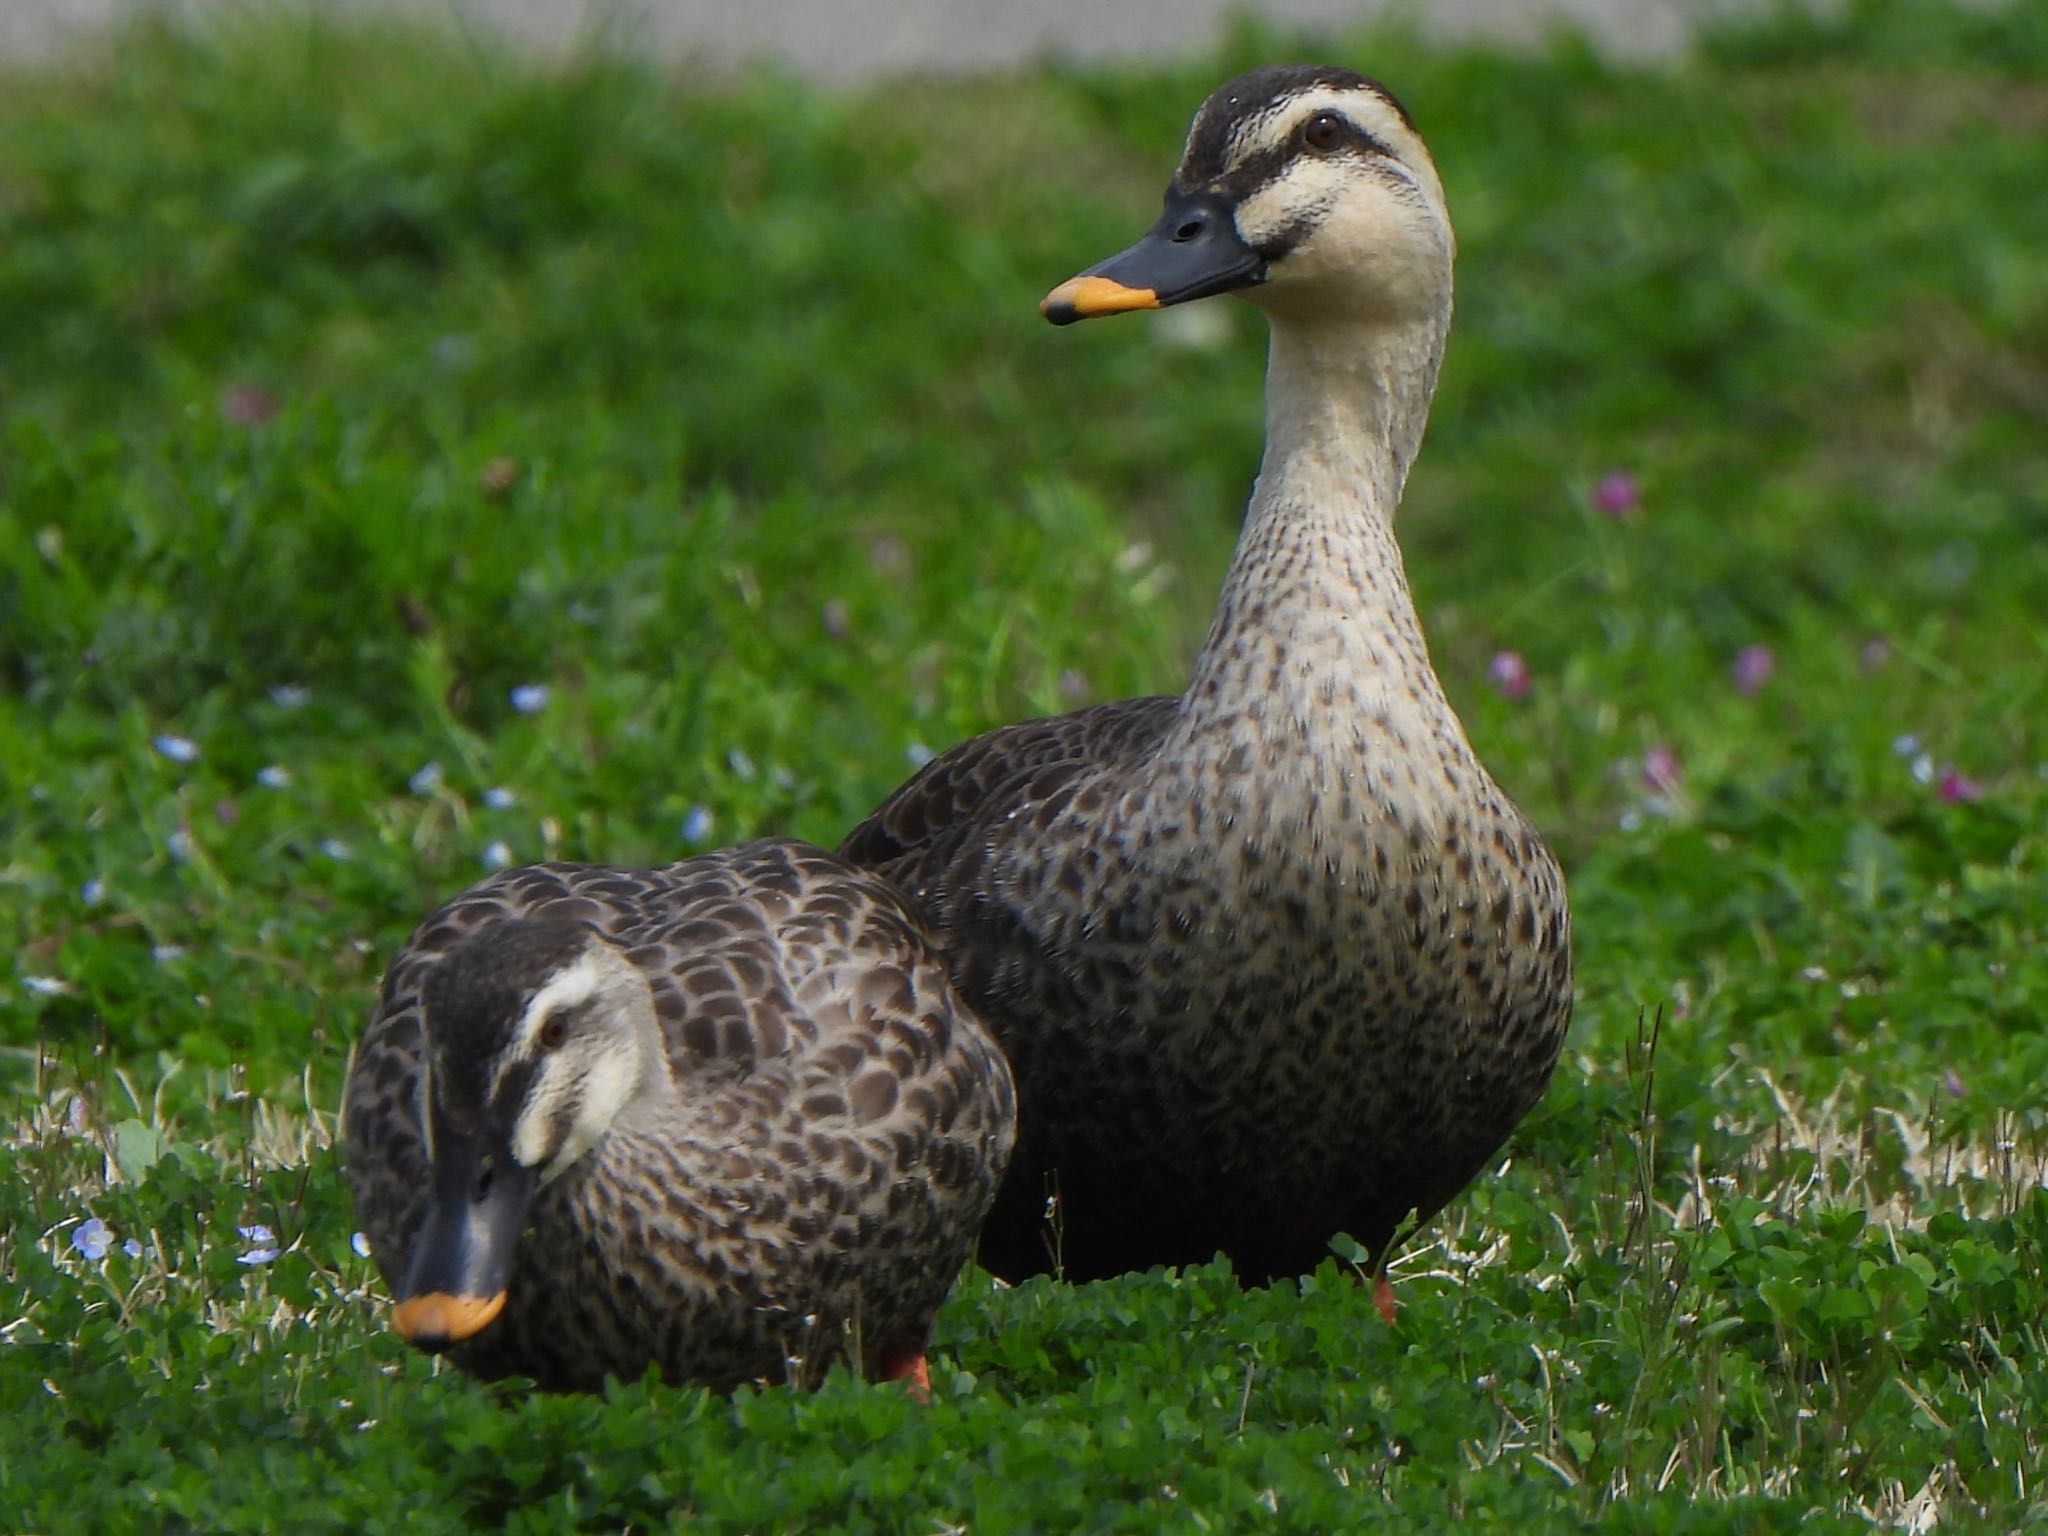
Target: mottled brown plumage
[(798, 1178), (1276, 958)]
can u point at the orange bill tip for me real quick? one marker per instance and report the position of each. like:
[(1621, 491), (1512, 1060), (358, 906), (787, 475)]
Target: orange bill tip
[(1083, 298), (436, 1319)]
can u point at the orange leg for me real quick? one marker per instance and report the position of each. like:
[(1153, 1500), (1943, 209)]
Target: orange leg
[(910, 1368), (1383, 1297)]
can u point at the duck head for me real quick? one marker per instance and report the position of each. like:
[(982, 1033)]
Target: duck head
[(538, 1033), (1306, 188)]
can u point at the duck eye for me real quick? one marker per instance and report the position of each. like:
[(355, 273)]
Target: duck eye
[(1323, 132), (553, 1032)]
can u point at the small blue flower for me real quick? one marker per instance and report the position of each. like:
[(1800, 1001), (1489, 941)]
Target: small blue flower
[(498, 855), (179, 749), (290, 695), (179, 843), (132, 1248), (1907, 745), (256, 1256), (337, 850), (530, 698), (257, 1234), (499, 798), (266, 1245), (273, 777), (93, 892), (918, 754), (361, 1244), (92, 1239), (742, 766), (697, 825), (426, 780)]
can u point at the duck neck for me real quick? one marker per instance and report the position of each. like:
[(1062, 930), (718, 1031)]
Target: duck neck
[(1316, 621)]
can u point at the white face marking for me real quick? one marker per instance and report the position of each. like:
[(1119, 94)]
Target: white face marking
[(570, 987), (593, 1074), (1367, 233)]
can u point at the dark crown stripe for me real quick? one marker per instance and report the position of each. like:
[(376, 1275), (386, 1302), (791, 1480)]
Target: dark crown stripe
[(1255, 94)]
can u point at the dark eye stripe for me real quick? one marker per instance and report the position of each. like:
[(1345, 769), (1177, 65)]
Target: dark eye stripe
[(1241, 180)]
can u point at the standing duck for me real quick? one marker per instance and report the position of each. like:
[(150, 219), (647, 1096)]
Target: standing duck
[(728, 1118), (1274, 959)]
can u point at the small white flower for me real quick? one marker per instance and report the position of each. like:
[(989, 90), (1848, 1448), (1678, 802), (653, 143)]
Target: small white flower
[(919, 754), (1922, 769), (274, 776), (498, 855), (499, 798), (179, 749), (426, 780), (45, 986), (530, 698)]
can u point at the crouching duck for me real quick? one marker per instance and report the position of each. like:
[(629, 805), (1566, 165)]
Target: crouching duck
[(728, 1118)]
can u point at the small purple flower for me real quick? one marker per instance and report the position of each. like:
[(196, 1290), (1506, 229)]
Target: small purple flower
[(1509, 674), (92, 1239), (530, 698), (1751, 669), (1952, 1083), (132, 1248), (1956, 788), (1617, 495), (179, 749), (1660, 769), (247, 405)]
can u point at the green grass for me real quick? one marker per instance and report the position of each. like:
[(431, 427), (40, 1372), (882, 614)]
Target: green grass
[(350, 379)]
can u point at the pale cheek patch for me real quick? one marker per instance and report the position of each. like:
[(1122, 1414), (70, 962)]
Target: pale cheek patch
[(592, 1096)]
